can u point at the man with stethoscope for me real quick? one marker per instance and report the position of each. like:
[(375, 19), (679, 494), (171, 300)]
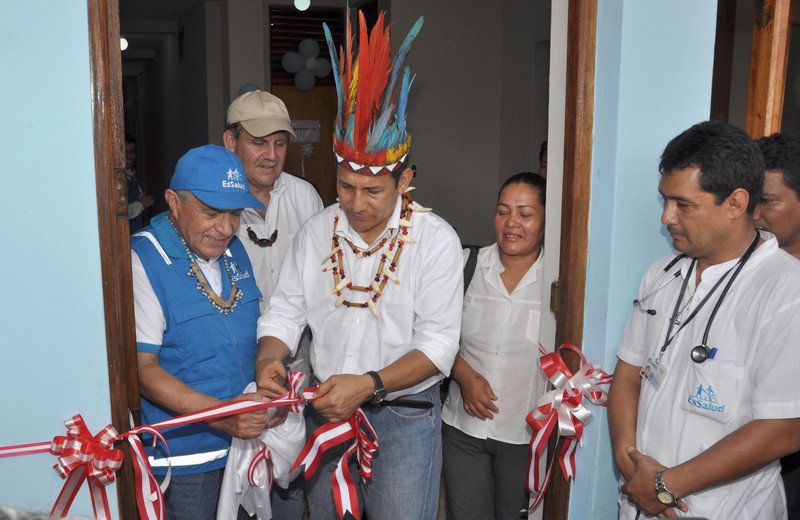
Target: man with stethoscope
[(706, 397)]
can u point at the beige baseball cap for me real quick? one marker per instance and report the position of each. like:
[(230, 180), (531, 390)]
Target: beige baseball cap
[(260, 113)]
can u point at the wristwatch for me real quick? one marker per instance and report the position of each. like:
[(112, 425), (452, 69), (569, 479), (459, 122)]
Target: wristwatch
[(664, 495), (380, 391)]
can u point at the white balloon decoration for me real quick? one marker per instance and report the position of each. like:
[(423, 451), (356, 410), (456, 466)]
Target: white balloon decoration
[(306, 65)]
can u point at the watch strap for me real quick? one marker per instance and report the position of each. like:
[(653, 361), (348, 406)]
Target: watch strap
[(380, 391), (661, 489)]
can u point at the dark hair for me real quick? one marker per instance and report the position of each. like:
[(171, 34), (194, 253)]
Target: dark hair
[(129, 139), (542, 150), (782, 154), (235, 129), (533, 180), (726, 156)]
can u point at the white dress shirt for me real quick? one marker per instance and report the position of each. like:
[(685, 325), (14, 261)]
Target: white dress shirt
[(423, 312), (500, 341), (753, 375), (291, 202)]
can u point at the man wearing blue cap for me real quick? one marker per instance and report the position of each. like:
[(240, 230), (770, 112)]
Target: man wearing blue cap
[(196, 306)]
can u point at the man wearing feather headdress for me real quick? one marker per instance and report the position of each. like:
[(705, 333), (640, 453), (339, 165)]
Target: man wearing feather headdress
[(378, 279)]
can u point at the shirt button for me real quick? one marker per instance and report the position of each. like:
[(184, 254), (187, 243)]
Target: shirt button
[(358, 321)]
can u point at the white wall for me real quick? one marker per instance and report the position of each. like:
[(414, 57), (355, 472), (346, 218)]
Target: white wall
[(653, 80), (52, 335), (472, 102)]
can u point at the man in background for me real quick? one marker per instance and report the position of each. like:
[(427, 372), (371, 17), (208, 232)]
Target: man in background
[(779, 213), (138, 201), (258, 133)]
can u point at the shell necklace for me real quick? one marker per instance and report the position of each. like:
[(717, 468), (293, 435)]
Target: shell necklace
[(389, 248)]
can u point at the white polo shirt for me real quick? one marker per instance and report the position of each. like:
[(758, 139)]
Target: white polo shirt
[(499, 340), (423, 312), (291, 202), (753, 375)]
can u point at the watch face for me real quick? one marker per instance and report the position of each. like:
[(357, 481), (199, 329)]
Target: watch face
[(666, 498)]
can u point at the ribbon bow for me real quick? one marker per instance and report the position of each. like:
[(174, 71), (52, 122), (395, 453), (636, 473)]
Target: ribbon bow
[(82, 456), (364, 446), (562, 406)]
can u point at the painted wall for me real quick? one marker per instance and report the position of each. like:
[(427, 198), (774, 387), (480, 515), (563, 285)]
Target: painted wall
[(647, 91), (52, 335), (472, 103)]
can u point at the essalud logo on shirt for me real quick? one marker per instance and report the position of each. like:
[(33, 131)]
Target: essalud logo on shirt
[(706, 399)]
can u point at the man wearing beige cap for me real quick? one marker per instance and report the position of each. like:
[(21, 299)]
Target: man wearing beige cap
[(258, 133)]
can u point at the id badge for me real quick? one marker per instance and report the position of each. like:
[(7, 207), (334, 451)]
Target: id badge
[(653, 372)]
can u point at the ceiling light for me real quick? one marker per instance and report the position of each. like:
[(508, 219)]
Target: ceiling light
[(302, 5), (123, 44)]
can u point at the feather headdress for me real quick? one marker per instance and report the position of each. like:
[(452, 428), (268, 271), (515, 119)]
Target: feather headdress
[(370, 135)]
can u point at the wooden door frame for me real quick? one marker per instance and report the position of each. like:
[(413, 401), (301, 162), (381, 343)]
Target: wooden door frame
[(112, 220), (576, 190), (771, 30)]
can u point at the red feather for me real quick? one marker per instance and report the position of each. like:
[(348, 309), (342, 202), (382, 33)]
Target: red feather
[(374, 67)]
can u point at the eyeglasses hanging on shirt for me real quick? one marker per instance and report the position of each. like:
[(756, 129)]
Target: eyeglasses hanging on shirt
[(702, 352)]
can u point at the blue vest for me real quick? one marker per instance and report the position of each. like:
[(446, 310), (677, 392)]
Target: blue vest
[(208, 351)]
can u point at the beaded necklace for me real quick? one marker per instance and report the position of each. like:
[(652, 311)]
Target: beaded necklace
[(388, 247), (262, 242), (225, 307)]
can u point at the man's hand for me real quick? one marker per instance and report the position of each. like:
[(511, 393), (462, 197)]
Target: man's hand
[(478, 395), (246, 425), (641, 488), (271, 377), (338, 398)]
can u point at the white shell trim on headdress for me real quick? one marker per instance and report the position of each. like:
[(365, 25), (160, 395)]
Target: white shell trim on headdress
[(375, 170)]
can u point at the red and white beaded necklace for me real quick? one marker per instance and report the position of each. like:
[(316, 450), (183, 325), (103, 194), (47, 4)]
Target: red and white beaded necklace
[(389, 248)]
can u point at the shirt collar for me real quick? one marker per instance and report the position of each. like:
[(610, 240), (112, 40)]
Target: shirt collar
[(343, 229), (492, 262)]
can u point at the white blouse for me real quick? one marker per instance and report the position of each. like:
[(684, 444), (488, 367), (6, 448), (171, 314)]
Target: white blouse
[(499, 340)]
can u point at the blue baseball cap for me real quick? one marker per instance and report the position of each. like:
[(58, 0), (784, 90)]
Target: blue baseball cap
[(214, 175)]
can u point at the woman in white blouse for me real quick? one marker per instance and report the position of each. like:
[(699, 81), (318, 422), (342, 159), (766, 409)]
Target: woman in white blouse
[(496, 377)]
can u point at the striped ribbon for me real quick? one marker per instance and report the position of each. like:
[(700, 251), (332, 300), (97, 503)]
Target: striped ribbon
[(562, 407), (365, 444), (93, 458)]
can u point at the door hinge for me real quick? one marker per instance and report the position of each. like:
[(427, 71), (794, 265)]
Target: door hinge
[(555, 297)]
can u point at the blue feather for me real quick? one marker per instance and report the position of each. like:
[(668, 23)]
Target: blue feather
[(400, 59), (403, 102), (336, 77), (376, 132)]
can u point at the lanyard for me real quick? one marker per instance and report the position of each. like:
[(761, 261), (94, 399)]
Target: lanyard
[(738, 267)]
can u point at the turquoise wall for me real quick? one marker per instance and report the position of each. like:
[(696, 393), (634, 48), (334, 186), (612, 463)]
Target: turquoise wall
[(52, 335), (653, 80)]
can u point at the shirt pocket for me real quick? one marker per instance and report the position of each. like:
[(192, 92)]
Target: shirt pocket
[(713, 390), (471, 318), (532, 327)]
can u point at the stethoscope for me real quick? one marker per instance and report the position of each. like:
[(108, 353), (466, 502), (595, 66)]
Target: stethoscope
[(649, 292), (701, 352)]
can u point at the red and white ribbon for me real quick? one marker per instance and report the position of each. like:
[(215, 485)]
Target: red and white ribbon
[(365, 445), (93, 458), (82, 456), (259, 471), (562, 407)]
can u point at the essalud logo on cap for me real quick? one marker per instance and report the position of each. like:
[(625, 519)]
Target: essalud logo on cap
[(234, 180)]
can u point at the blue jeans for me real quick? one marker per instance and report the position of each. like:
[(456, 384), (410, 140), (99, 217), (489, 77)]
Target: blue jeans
[(193, 497), (288, 504), (406, 468)]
